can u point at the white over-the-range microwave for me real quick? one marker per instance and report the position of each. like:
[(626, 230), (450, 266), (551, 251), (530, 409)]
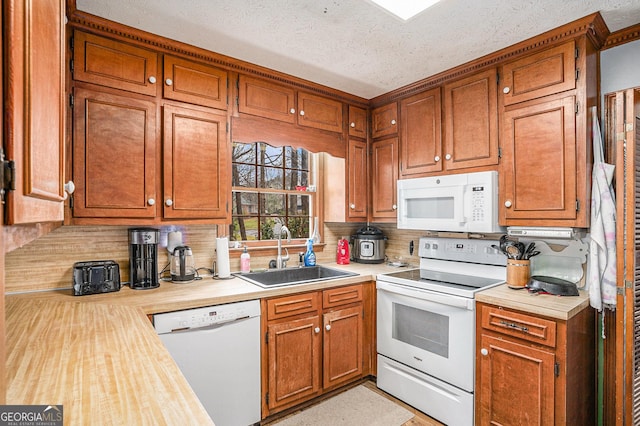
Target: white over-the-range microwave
[(465, 202)]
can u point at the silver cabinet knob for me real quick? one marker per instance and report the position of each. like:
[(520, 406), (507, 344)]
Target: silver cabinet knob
[(169, 202), (151, 201), (447, 157), (352, 124), (506, 90), (327, 327), (70, 187), (292, 110), (152, 80), (316, 330), (352, 205), (436, 158), (394, 207), (301, 112), (393, 122), (168, 82), (484, 352), (507, 203)]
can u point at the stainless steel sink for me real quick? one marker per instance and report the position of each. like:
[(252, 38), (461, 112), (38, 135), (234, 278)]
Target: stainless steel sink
[(292, 276)]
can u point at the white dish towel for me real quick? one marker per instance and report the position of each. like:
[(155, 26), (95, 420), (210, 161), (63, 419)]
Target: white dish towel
[(601, 277)]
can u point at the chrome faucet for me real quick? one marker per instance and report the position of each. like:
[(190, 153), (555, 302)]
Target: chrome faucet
[(281, 261)]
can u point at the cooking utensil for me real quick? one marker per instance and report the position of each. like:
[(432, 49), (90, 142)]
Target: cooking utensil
[(552, 285)]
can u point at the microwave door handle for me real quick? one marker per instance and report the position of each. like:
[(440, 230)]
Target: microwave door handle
[(453, 301), (460, 214)]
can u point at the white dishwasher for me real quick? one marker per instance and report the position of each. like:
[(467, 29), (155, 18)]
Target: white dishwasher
[(218, 350)]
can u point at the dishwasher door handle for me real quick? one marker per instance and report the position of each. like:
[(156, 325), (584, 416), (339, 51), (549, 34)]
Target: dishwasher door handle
[(209, 327)]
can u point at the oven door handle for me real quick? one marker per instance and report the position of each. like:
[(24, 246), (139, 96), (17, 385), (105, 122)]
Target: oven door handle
[(449, 300)]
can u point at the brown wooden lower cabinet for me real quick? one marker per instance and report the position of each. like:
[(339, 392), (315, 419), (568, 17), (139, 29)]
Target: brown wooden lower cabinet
[(534, 370), (314, 342)]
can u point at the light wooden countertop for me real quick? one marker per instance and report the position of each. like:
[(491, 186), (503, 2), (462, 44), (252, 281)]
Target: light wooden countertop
[(103, 363), (558, 307), (100, 357)]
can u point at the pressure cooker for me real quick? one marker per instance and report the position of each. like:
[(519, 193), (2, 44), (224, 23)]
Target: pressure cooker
[(367, 245)]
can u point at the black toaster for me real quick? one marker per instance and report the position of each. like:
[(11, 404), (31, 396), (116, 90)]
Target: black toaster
[(99, 276)]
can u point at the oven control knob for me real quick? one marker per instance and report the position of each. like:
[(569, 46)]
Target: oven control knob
[(427, 246), (484, 352), (434, 246)]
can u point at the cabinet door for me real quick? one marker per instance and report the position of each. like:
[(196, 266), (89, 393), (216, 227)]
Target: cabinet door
[(357, 180), (114, 154), (114, 64), (515, 385), (384, 120), (471, 121), (195, 83), (34, 110), (545, 73), (266, 99), (538, 170), (319, 112), (384, 173), (294, 360), (195, 163), (421, 134), (357, 122), (342, 357)]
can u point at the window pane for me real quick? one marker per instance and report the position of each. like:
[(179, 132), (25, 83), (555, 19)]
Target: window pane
[(266, 228), (270, 177), (298, 226), (272, 205), (299, 205), (295, 178), (297, 158), (244, 153), (244, 229), (244, 203), (270, 155), (244, 175)]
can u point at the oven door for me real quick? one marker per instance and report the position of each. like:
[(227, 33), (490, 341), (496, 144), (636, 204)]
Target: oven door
[(429, 331)]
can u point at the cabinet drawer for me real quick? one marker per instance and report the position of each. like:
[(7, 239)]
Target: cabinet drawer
[(265, 99), (319, 112), (341, 296), (288, 306), (522, 326), (195, 83), (357, 122), (545, 73), (114, 64)]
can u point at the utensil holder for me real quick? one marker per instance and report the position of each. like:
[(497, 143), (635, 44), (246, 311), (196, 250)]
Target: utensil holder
[(518, 273)]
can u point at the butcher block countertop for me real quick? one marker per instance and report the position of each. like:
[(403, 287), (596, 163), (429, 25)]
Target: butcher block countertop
[(100, 357), (558, 307)]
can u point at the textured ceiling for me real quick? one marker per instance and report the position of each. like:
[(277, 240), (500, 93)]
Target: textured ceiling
[(353, 45)]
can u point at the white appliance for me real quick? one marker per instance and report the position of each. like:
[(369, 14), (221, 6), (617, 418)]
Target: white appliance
[(426, 326), (218, 350), (465, 202)]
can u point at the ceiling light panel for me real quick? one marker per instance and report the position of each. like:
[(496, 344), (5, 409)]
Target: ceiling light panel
[(405, 9)]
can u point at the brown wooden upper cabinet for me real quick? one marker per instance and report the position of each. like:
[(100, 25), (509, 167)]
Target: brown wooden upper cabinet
[(357, 122), (384, 120), (114, 64), (195, 83), (357, 180), (471, 121), (421, 134), (114, 155), (544, 134), (544, 73), (278, 102), (384, 177), (34, 109)]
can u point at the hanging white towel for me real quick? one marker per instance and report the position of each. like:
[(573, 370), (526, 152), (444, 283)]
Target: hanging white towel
[(601, 277)]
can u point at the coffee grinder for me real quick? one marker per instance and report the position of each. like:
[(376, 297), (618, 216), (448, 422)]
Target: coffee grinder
[(143, 258)]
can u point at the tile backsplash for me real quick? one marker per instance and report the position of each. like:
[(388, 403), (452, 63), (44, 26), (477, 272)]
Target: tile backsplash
[(47, 262)]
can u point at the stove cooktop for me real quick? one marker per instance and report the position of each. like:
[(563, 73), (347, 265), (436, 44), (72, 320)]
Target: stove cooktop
[(443, 282)]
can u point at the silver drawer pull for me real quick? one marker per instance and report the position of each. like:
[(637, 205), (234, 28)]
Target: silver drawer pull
[(514, 326)]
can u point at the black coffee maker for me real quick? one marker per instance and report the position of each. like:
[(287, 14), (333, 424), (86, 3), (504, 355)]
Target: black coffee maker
[(143, 258)]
